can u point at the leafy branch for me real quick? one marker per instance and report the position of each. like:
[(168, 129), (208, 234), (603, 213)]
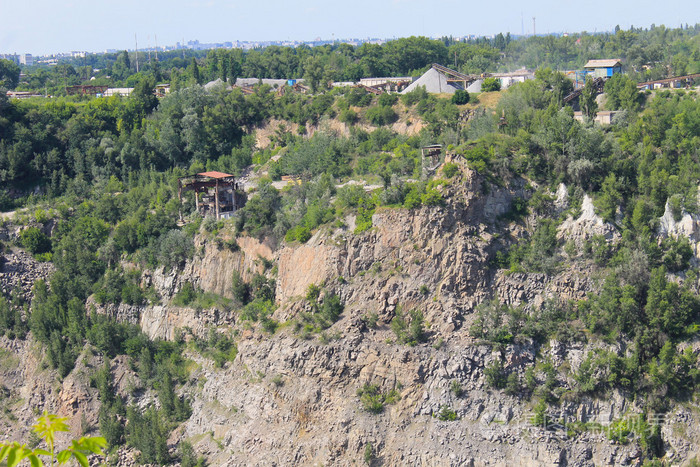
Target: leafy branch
[(46, 427)]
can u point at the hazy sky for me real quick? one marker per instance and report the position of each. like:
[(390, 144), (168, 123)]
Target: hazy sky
[(49, 26)]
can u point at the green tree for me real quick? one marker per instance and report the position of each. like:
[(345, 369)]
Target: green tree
[(122, 66), (587, 100), (314, 73), (193, 71), (490, 85), (622, 93), (9, 74), (144, 94)]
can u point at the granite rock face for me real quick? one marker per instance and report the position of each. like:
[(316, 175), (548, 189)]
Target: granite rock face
[(289, 400)]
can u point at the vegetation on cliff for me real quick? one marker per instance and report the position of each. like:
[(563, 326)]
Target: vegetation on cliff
[(108, 169)]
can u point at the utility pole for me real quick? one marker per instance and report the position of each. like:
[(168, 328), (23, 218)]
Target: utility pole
[(156, 47), (137, 53)]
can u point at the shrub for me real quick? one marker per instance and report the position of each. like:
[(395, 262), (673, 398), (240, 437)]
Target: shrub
[(387, 100), (358, 97), (490, 85), (460, 97), (365, 211), (186, 295), (262, 288), (540, 418), (369, 454), (446, 414), (381, 115), (410, 332), (371, 320), (35, 241), (239, 288), (450, 169), (348, 117), (300, 233), (512, 384), (598, 249), (677, 255), (620, 431), (496, 375), (373, 400), (456, 388), (432, 197), (175, 248)]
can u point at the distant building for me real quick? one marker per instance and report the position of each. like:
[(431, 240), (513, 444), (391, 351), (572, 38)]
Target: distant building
[(162, 89), (11, 57), (86, 90), (518, 76), (275, 83), (379, 81), (26, 59), (125, 92), (603, 117), (21, 94), (440, 79), (603, 68)]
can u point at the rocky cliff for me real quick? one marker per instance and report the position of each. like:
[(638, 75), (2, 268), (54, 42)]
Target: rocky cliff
[(293, 400)]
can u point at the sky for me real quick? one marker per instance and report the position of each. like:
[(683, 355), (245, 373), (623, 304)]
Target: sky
[(51, 26)]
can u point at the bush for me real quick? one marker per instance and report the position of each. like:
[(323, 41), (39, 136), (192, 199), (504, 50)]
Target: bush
[(677, 255), (348, 117), (358, 97), (381, 115), (186, 295), (410, 332), (496, 375), (300, 233), (446, 414), (387, 100), (460, 97), (239, 288), (432, 197), (456, 388), (490, 85), (598, 249), (373, 400), (365, 211), (35, 241), (369, 454), (450, 169), (174, 249)]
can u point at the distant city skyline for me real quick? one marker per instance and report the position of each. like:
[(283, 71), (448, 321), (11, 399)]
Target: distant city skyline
[(41, 27)]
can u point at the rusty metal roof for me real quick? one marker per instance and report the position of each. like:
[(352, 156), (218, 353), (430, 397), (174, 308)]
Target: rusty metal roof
[(215, 174)]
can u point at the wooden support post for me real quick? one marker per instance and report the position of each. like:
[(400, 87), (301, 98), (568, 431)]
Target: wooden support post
[(216, 198)]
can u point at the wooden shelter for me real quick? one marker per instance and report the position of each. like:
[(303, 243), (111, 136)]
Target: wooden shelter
[(431, 158), (216, 193)]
